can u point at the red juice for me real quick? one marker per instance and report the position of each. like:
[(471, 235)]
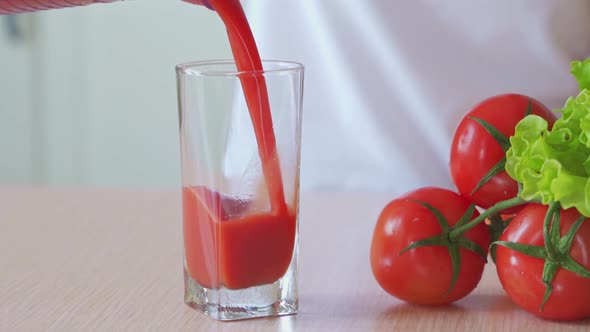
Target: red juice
[(226, 246), (247, 59)]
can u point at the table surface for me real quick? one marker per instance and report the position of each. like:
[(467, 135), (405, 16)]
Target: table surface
[(77, 259)]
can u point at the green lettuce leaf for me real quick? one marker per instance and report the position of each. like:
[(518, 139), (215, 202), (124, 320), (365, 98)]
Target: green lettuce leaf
[(554, 165), (581, 71)]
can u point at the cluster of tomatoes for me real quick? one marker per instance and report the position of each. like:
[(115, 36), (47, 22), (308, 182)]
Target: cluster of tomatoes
[(430, 246)]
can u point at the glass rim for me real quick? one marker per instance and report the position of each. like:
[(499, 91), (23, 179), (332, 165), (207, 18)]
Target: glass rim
[(200, 68)]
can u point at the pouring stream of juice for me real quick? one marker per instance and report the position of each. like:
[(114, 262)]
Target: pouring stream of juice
[(247, 59)]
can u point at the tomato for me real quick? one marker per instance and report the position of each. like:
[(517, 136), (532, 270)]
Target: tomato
[(520, 275), (474, 151), (423, 275)]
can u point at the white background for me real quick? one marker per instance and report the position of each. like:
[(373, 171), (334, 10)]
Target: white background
[(88, 96)]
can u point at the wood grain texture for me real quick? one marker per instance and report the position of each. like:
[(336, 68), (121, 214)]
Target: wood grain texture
[(110, 260)]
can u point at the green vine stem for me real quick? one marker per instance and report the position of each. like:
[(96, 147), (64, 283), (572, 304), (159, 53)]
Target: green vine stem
[(496, 227), (547, 226), (497, 208)]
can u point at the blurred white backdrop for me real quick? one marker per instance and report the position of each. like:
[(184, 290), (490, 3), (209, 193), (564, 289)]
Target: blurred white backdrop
[(88, 95)]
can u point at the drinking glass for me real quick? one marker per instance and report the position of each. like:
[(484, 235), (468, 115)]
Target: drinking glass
[(240, 245)]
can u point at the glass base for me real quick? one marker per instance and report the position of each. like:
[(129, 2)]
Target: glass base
[(276, 299)]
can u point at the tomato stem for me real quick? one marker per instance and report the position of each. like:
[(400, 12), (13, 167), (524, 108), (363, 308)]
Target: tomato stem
[(496, 229), (549, 216), (497, 208), (549, 270), (443, 240)]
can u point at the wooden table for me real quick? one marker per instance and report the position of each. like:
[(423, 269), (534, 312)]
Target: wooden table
[(109, 260)]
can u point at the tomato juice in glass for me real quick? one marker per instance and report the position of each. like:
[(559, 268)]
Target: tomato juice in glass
[(240, 240), (240, 137)]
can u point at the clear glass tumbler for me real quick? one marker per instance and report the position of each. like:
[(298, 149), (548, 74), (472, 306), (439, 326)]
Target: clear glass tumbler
[(240, 245)]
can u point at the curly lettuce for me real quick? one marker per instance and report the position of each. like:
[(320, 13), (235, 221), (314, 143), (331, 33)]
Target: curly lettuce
[(554, 164), (581, 71)]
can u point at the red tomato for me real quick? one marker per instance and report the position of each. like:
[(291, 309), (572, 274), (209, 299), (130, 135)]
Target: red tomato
[(520, 275), (474, 151), (423, 275)]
